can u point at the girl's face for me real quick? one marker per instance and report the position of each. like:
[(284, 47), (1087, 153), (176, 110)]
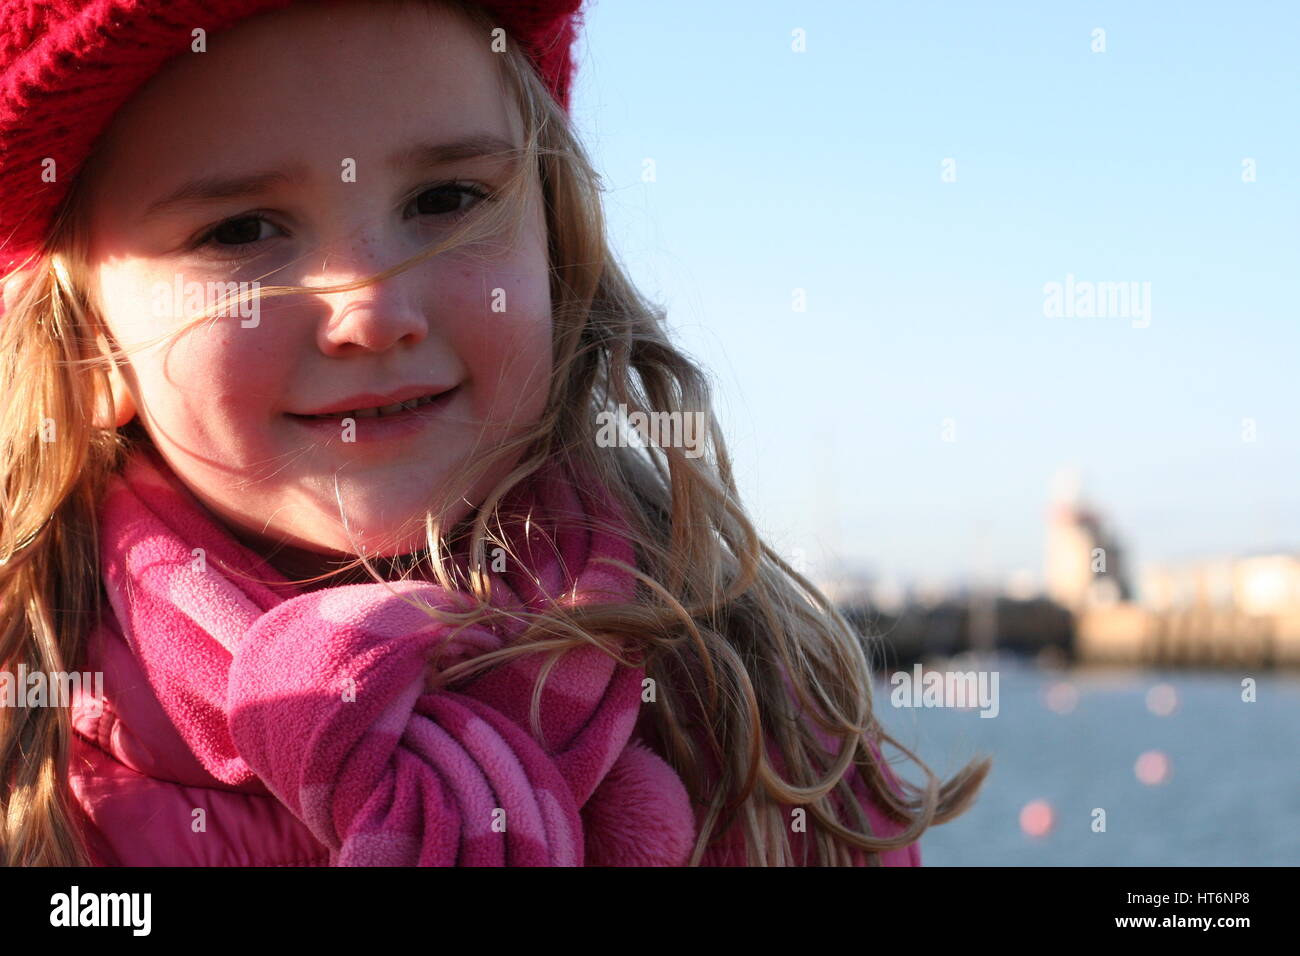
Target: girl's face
[(303, 148)]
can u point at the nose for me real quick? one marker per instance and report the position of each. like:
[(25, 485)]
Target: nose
[(373, 317)]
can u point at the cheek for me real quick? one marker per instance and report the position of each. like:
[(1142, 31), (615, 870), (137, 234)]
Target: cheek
[(129, 311), (191, 381), (124, 297), (507, 345)]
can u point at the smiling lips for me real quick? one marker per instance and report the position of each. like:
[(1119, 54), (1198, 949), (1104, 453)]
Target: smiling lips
[(378, 406), (379, 412)]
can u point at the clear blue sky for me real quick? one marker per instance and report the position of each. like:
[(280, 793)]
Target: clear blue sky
[(820, 170)]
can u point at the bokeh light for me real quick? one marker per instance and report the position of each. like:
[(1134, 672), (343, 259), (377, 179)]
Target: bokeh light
[(1061, 697), (1162, 700), (1153, 768), (1037, 818)]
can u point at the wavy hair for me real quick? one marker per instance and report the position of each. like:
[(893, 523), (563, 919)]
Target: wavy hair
[(745, 653)]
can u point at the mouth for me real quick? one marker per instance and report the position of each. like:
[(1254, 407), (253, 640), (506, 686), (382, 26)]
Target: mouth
[(384, 411)]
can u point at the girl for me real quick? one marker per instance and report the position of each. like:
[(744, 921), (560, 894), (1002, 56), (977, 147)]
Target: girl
[(310, 327)]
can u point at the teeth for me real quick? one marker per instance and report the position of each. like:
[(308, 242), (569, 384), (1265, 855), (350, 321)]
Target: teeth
[(393, 409)]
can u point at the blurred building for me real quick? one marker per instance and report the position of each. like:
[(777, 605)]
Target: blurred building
[(1085, 565), (1232, 611), (1216, 612), (1224, 611)]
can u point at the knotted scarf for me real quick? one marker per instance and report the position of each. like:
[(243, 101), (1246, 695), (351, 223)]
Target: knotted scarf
[(323, 695)]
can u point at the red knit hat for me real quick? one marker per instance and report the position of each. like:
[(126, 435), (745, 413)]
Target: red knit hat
[(67, 66)]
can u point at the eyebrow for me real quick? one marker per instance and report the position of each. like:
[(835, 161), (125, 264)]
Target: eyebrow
[(422, 155)]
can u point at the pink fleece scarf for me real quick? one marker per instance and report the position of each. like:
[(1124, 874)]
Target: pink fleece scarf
[(321, 695)]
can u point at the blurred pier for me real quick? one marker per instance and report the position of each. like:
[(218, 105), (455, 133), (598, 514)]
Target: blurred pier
[(1093, 607)]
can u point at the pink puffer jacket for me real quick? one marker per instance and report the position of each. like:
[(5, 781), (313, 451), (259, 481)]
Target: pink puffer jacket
[(139, 789)]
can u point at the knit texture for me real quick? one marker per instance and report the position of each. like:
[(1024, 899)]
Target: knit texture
[(68, 66)]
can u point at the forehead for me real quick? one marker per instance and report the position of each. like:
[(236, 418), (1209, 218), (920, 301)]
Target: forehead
[(313, 83)]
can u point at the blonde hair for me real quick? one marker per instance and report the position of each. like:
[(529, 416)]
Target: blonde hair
[(721, 622)]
